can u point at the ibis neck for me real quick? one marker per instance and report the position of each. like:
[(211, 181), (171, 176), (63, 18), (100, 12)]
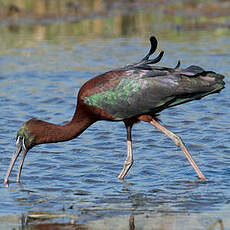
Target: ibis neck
[(50, 133)]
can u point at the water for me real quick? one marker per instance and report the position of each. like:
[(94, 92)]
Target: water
[(40, 77)]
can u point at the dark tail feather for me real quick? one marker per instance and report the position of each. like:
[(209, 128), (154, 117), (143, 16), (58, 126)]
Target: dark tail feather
[(145, 61), (155, 60), (214, 84), (177, 65), (153, 48)]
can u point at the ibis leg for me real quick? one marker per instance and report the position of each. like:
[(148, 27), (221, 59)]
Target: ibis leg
[(177, 140), (129, 159)]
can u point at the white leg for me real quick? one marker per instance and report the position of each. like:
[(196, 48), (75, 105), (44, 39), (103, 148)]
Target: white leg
[(129, 159), (177, 140)]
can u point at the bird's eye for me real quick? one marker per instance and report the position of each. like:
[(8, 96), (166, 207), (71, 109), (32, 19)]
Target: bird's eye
[(23, 143), (18, 141)]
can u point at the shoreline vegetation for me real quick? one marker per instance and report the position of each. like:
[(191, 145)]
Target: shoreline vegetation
[(198, 14), (164, 221), (51, 20)]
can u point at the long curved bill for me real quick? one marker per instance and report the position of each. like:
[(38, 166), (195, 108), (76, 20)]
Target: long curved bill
[(19, 148)]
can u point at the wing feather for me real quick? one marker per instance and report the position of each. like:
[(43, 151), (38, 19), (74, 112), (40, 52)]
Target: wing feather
[(141, 91)]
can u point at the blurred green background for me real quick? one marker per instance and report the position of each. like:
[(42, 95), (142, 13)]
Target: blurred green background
[(111, 18)]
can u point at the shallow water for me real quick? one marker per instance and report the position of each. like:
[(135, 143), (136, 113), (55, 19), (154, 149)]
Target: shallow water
[(40, 77)]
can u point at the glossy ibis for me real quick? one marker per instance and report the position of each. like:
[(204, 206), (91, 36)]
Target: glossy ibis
[(133, 93)]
